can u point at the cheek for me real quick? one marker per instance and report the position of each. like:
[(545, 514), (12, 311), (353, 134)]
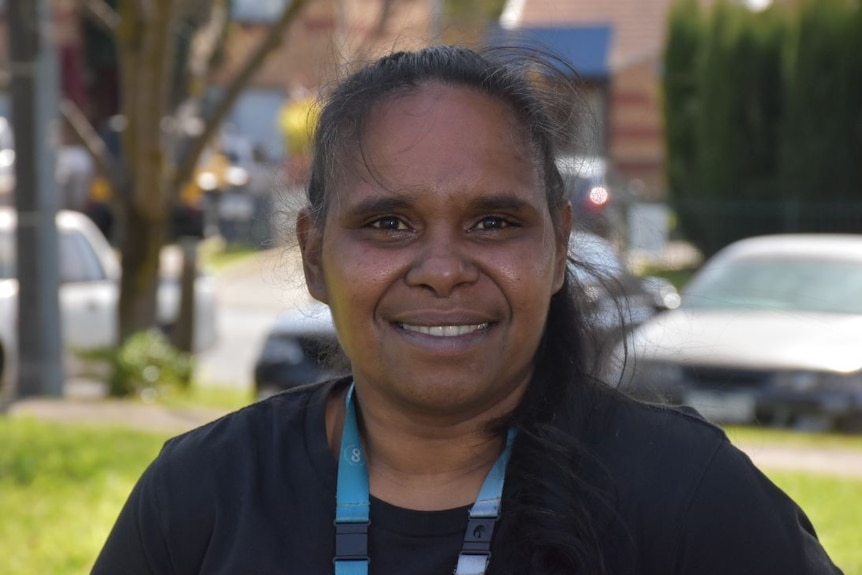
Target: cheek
[(530, 277), (357, 279)]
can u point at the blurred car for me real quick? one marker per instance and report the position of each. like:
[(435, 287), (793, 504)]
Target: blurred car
[(769, 331), (89, 274), (302, 347), (596, 204), (615, 300)]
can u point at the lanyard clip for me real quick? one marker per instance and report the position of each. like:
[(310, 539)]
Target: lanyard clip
[(351, 541), (477, 537)]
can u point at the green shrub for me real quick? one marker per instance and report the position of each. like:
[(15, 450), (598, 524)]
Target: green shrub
[(145, 364), (763, 122)]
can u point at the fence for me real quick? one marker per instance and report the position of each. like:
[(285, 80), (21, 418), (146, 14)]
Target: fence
[(712, 224)]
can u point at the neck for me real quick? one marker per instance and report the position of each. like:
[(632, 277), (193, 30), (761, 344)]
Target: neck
[(422, 462)]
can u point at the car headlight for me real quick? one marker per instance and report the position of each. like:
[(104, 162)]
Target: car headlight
[(808, 380), (282, 349), (236, 176), (7, 158), (207, 181)]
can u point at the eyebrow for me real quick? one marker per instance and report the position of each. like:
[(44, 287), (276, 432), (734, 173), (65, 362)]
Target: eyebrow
[(502, 202), (378, 205), (383, 204)]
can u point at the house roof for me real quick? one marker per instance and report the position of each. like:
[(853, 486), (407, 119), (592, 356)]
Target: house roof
[(584, 47), (638, 25)]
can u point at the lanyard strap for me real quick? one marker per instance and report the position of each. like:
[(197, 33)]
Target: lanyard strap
[(352, 507)]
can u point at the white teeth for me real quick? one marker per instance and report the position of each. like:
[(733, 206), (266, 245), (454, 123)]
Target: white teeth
[(444, 330)]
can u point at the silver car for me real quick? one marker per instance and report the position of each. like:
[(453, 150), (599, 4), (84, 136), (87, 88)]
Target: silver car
[(89, 275), (769, 331)]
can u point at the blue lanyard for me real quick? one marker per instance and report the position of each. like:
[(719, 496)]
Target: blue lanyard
[(352, 516)]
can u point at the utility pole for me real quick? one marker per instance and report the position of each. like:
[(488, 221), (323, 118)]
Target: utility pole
[(33, 69)]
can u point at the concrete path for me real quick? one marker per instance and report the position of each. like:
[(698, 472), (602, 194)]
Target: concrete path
[(828, 460), (174, 420), (114, 412)]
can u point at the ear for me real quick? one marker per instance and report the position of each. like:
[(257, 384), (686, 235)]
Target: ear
[(562, 255), (310, 239)]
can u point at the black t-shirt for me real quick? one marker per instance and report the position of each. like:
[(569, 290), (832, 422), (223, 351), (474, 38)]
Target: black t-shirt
[(254, 493)]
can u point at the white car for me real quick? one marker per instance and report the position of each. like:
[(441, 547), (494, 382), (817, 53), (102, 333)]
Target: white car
[(89, 274), (769, 331)]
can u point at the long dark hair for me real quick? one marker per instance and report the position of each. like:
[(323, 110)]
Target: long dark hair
[(553, 518)]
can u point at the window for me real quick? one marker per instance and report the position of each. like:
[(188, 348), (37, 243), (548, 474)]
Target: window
[(78, 262), (257, 10)]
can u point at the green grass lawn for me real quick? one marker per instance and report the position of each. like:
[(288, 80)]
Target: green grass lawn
[(772, 436), (834, 506), (61, 487)]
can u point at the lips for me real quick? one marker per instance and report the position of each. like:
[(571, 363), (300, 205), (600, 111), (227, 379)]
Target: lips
[(444, 330)]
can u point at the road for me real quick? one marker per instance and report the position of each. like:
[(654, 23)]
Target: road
[(251, 293)]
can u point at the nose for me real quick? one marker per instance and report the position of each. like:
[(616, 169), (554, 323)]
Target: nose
[(441, 266)]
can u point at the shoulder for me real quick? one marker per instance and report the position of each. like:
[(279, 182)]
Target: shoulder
[(188, 506), (197, 474), (258, 423), (694, 503), (660, 439), (286, 430)]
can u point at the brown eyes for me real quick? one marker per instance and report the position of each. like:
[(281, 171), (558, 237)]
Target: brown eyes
[(485, 224), (389, 223), (493, 223)]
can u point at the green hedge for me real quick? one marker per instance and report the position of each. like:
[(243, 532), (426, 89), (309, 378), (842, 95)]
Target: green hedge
[(763, 115)]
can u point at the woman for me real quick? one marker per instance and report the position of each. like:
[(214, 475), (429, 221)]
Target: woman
[(471, 436)]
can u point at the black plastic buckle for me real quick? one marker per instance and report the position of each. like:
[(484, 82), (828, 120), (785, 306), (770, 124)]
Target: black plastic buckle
[(351, 541), (477, 538)]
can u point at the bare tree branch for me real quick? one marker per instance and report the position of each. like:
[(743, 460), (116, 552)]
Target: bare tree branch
[(86, 135), (101, 13), (234, 88), (383, 18), (206, 41), (377, 32)]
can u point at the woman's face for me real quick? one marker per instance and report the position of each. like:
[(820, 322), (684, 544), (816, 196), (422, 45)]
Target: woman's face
[(439, 263)]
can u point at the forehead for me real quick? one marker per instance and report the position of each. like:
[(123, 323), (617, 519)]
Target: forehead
[(433, 109), (444, 137)]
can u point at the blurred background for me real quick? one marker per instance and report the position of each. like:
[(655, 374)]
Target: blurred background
[(152, 157)]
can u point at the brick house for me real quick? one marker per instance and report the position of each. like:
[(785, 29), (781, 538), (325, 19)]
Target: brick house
[(617, 46)]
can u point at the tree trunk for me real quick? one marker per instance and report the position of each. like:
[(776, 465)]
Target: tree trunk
[(145, 40), (140, 278)]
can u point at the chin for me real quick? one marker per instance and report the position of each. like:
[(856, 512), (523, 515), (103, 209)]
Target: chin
[(455, 395)]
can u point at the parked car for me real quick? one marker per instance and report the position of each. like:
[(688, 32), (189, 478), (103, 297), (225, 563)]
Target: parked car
[(615, 299), (89, 273), (301, 347), (769, 331), (596, 204)]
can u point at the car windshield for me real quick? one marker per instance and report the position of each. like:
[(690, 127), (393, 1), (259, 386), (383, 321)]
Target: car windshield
[(816, 285), (78, 262)]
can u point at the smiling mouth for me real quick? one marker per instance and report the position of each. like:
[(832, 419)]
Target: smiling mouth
[(444, 330)]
